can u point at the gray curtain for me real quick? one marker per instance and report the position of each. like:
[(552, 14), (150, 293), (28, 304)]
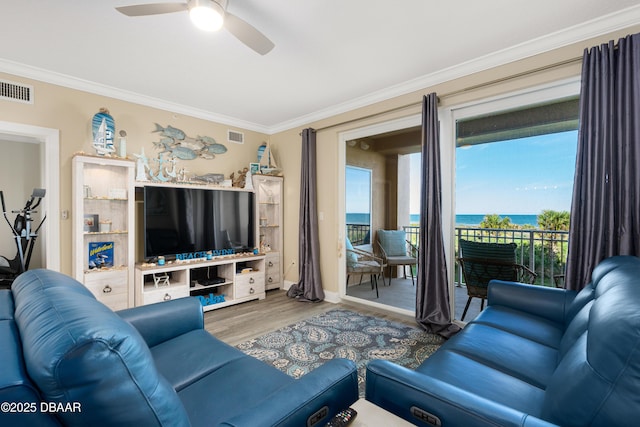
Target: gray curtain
[(309, 287), (605, 212), (432, 294)]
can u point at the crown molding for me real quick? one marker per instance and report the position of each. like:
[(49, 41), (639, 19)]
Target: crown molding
[(597, 27), (64, 80)]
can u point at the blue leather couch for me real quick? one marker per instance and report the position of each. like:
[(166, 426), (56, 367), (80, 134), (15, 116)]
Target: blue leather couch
[(535, 356), (66, 359)]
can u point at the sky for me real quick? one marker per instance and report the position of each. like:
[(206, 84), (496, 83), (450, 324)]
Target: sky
[(521, 176), (358, 186)]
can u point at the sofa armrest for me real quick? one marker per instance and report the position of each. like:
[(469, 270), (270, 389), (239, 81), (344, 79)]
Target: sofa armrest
[(550, 303), (333, 385), (398, 390), (163, 321)]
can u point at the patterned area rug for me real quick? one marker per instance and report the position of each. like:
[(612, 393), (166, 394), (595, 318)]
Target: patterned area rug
[(302, 347)]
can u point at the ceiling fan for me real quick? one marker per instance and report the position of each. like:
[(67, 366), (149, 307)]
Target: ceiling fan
[(208, 15)]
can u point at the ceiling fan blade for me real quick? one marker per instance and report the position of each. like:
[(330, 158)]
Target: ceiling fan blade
[(151, 9), (247, 34)]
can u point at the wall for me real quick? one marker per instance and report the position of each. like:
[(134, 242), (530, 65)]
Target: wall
[(474, 87), (71, 111), (391, 202)]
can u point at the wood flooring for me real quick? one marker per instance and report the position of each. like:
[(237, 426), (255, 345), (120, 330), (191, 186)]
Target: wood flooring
[(239, 323)]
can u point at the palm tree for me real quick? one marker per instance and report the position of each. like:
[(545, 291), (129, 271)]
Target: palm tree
[(554, 220), (495, 221)]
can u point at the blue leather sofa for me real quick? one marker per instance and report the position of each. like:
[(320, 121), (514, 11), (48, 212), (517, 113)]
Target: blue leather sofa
[(66, 359), (535, 356)]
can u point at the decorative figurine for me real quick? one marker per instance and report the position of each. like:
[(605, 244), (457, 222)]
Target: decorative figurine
[(103, 128), (248, 182), (172, 173), (239, 180), (267, 160), (210, 178), (122, 145), (182, 175), (142, 166), (159, 175)]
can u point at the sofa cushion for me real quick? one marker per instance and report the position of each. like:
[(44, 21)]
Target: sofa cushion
[(78, 350), (199, 354), (214, 398), (601, 270), (477, 378), (6, 304), (15, 385), (505, 352), (526, 325), (597, 379)]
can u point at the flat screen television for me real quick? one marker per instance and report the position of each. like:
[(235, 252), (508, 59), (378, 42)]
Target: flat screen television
[(185, 223)]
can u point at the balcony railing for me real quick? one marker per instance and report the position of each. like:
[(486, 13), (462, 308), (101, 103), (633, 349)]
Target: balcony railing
[(359, 234), (543, 251)]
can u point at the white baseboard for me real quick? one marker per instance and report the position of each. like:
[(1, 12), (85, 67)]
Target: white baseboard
[(332, 297), (287, 284)]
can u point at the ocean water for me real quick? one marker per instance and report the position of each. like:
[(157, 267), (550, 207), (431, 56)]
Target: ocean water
[(461, 220), (515, 219), (357, 218)]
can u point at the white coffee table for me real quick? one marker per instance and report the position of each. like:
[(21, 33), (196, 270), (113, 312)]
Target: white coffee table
[(370, 415)]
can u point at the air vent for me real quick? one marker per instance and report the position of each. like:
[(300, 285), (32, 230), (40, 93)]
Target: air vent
[(11, 91), (234, 136)]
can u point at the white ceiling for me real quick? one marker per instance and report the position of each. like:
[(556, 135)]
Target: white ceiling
[(330, 56)]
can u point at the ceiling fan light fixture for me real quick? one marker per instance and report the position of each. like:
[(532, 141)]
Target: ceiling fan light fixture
[(207, 15)]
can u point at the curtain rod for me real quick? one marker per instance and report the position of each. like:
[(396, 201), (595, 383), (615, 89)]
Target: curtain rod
[(457, 92)]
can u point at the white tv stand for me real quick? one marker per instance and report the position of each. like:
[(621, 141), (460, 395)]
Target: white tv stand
[(239, 277)]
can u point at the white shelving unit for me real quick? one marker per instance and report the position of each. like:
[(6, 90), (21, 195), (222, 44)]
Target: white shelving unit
[(220, 282), (269, 198), (103, 220)]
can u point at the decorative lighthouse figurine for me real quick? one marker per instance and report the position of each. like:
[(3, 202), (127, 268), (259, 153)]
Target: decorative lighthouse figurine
[(103, 128), (142, 166)]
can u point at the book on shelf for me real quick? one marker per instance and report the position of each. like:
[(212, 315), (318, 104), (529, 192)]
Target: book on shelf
[(100, 255)]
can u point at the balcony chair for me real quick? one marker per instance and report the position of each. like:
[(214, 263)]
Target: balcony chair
[(397, 251), (362, 262), (482, 262)]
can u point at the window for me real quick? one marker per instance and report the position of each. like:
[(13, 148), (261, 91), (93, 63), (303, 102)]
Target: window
[(516, 163), (514, 181), (358, 205)]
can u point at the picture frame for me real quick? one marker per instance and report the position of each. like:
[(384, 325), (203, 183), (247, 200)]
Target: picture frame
[(254, 168), (91, 223)]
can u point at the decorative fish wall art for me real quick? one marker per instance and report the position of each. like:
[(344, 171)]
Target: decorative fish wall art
[(180, 146)]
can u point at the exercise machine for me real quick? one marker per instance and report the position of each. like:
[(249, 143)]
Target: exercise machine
[(24, 235)]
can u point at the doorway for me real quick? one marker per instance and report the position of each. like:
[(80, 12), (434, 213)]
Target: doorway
[(501, 175), (45, 142), (378, 150)]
